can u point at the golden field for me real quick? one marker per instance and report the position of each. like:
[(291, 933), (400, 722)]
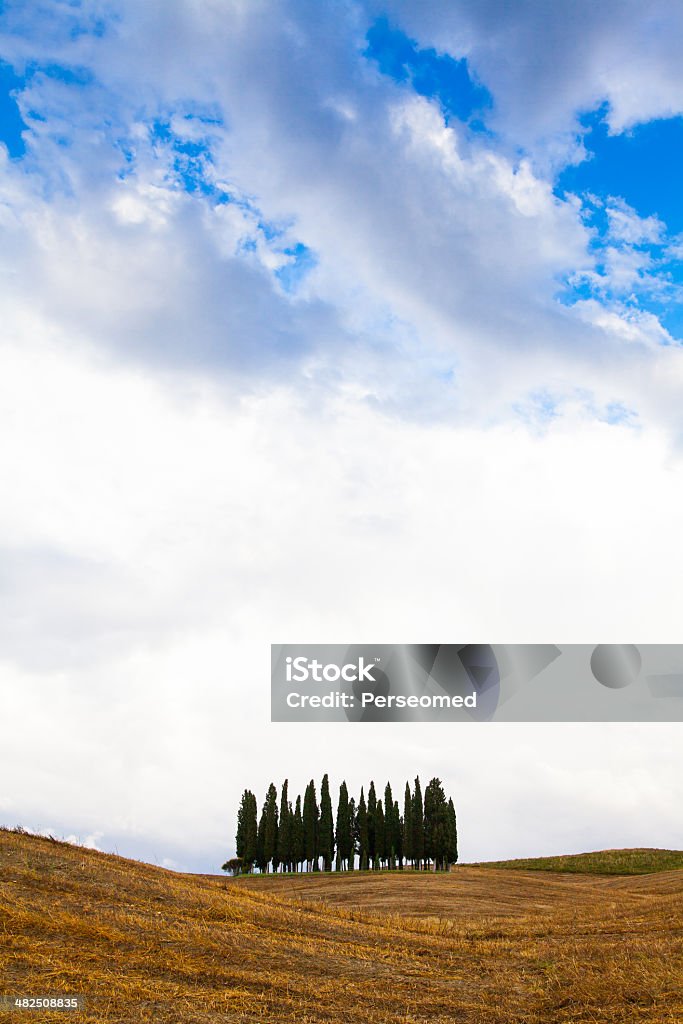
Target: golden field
[(481, 945)]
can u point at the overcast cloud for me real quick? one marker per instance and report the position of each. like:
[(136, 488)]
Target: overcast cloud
[(289, 350)]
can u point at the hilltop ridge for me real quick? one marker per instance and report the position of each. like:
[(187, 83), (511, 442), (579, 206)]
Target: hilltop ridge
[(480, 945)]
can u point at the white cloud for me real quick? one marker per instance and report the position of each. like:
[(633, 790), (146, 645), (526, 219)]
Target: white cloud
[(417, 443), (217, 529), (545, 63), (90, 842), (436, 252), (626, 225)]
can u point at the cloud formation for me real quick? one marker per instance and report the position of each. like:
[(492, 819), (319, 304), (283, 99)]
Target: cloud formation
[(291, 348), (545, 63), (168, 188)]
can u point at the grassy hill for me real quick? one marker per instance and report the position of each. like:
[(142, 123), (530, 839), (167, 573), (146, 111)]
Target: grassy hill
[(480, 945), (601, 862)]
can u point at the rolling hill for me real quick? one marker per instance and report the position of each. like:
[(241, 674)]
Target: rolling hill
[(478, 945), (601, 862)]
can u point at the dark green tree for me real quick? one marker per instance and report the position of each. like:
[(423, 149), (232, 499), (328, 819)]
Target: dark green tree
[(452, 834), (261, 859), (398, 833), (376, 831), (418, 826), (380, 835), (284, 835), (326, 833), (362, 830), (310, 821), (428, 825), (247, 830), (389, 837), (270, 828), (353, 834), (436, 825), (372, 826), (343, 832), (297, 836), (408, 824), (240, 835)]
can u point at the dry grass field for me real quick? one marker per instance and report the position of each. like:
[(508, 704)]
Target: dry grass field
[(477, 946)]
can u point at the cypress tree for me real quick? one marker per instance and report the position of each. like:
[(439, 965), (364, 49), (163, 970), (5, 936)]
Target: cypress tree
[(270, 827), (408, 824), (398, 833), (261, 859), (298, 836), (353, 834), (428, 824), (343, 828), (372, 826), (362, 829), (418, 825), (452, 834), (310, 823), (290, 826), (251, 849), (380, 835), (376, 830), (389, 837), (326, 833), (241, 825), (241, 836), (284, 839), (436, 825)]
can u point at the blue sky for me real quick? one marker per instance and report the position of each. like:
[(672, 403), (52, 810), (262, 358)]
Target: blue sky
[(11, 123), (638, 164), (434, 75), (632, 167), (638, 167), (298, 296)]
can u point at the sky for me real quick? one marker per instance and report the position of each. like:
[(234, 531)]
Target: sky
[(332, 322)]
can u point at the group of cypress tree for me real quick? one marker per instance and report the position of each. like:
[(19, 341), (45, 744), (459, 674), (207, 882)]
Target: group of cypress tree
[(307, 837)]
